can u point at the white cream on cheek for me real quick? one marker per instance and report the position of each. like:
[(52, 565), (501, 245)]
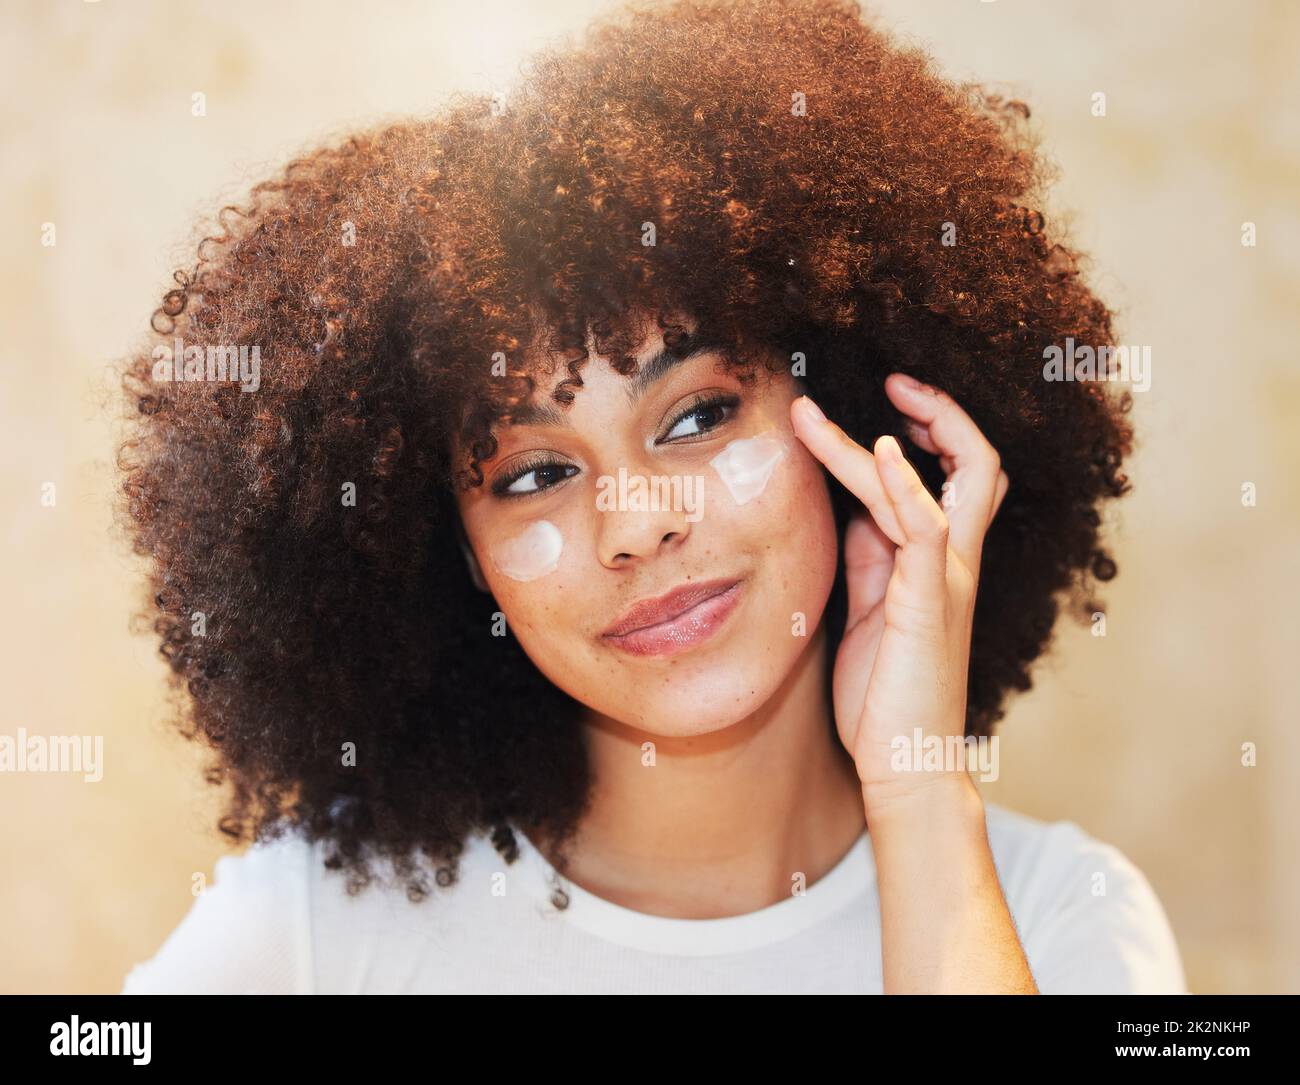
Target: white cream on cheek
[(747, 464), (534, 552)]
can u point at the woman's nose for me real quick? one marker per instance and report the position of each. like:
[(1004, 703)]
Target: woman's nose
[(639, 516)]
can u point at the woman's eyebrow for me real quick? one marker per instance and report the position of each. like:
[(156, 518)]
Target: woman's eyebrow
[(652, 370), (658, 366)]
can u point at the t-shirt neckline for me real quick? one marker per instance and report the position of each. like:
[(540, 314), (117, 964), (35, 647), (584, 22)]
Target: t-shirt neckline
[(851, 878)]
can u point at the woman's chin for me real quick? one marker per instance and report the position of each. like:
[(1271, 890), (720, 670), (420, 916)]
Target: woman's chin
[(682, 709)]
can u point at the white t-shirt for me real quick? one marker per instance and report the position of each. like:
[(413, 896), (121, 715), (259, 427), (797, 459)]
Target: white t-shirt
[(276, 921)]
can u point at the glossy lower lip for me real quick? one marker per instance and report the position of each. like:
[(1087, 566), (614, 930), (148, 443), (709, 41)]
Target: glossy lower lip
[(688, 629)]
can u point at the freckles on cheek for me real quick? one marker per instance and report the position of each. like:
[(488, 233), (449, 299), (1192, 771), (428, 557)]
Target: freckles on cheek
[(530, 554), (747, 465)]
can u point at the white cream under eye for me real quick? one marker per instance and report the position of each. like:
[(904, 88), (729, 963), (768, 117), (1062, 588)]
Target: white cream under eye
[(532, 553), (746, 465)]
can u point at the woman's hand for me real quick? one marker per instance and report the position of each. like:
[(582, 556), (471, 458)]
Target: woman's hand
[(912, 569)]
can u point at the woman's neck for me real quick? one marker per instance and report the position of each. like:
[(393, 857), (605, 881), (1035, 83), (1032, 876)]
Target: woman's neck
[(719, 823)]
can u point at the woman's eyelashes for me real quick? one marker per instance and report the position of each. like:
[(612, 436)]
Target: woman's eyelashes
[(542, 472), (718, 406)]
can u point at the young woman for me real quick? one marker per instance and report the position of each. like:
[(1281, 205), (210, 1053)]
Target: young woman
[(647, 481)]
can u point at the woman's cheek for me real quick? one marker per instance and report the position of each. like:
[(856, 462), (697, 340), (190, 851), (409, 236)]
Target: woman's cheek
[(528, 554), (773, 486), (747, 465), (760, 481), (533, 568)]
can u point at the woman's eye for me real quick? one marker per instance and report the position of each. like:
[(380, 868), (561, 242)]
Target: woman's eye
[(540, 477), (535, 477), (702, 418)]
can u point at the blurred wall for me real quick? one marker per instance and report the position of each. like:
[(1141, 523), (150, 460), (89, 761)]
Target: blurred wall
[(1136, 736)]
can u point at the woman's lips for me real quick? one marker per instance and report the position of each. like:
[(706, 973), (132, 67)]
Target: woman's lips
[(677, 622)]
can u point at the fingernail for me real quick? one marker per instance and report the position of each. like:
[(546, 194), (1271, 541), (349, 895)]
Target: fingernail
[(814, 410), (910, 382), (890, 447)]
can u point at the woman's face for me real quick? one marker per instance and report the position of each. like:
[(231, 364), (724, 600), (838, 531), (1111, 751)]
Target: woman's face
[(663, 547)]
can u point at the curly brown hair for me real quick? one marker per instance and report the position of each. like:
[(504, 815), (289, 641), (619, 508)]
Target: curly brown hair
[(783, 170)]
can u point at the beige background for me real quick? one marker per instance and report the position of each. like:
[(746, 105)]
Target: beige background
[(1136, 736)]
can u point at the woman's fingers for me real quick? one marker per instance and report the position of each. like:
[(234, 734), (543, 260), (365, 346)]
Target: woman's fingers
[(924, 561), (868, 565), (849, 462), (920, 436), (1004, 483), (891, 490), (976, 482)]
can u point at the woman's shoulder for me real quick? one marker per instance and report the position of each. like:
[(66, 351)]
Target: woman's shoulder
[(246, 933), (277, 920), (1088, 918)]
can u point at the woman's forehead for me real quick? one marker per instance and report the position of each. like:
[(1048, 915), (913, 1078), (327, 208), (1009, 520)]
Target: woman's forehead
[(636, 345)]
